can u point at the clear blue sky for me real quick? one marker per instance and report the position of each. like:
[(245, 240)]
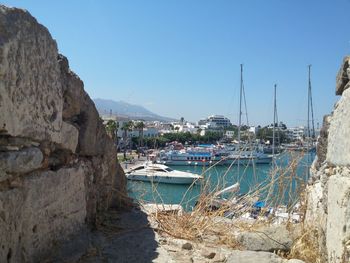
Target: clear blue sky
[(182, 57)]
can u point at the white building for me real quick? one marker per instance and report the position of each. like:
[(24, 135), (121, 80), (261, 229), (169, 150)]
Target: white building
[(296, 133), (230, 134), (187, 127), (215, 121), (253, 129)]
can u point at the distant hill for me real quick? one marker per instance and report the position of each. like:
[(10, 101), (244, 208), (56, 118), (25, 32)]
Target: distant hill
[(122, 108)]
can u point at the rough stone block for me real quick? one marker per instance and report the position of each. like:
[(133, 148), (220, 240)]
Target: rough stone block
[(275, 237), (23, 161), (342, 77), (338, 221), (339, 132), (70, 136), (46, 209)]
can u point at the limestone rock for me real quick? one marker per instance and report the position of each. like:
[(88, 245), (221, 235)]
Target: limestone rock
[(208, 254), (49, 207), (272, 238), (58, 168), (338, 221), (322, 142), (339, 133), (343, 77), (70, 136), (30, 90), (253, 257), (328, 207), (23, 161)]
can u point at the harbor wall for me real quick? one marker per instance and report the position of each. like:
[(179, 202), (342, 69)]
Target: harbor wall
[(58, 167), (328, 195)]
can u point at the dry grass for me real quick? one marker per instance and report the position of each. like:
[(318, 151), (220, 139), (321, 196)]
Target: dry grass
[(306, 247), (282, 187)]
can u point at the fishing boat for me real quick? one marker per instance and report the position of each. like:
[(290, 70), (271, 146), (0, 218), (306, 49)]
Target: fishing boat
[(159, 173)]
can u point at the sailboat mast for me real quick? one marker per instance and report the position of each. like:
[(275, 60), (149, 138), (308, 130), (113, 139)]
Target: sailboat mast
[(308, 105), (240, 118), (240, 107), (274, 122), (311, 106)]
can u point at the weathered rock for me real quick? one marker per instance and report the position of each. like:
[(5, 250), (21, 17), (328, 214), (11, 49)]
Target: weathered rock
[(253, 257), (219, 258), (272, 238), (23, 161), (30, 90), (58, 167), (338, 138), (70, 136), (208, 253), (49, 207), (322, 142), (338, 221), (343, 77), (187, 246), (328, 210)]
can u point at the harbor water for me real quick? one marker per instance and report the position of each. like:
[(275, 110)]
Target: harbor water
[(291, 169)]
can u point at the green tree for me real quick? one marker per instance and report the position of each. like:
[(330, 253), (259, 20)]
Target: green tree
[(139, 126), (111, 128), (127, 126)]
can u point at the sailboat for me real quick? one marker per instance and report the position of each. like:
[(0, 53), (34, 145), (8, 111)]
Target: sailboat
[(245, 155)]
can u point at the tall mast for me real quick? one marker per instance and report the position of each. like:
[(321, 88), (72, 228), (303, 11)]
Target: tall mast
[(240, 117), (274, 122), (308, 108), (311, 106), (240, 107)]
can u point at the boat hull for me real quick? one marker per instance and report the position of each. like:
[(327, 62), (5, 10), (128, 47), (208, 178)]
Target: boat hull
[(163, 179), (186, 163)]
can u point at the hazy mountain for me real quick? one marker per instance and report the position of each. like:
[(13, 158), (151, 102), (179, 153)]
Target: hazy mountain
[(122, 108)]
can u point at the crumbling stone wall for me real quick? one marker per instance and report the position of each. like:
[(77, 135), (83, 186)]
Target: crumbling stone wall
[(58, 169), (329, 193)]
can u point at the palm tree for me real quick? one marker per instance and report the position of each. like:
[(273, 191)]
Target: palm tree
[(127, 126), (111, 128), (140, 125), (116, 135)]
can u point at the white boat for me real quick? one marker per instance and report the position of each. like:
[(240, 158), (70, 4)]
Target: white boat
[(159, 173), (186, 157)]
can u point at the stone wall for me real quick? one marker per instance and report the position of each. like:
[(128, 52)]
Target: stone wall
[(329, 193), (58, 169)]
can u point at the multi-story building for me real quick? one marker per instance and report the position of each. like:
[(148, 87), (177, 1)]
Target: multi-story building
[(215, 122)]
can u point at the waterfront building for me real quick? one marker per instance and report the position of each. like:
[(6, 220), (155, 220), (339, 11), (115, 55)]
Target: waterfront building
[(215, 122), (296, 133)]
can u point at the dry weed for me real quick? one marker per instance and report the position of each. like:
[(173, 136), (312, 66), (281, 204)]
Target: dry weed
[(282, 187), (306, 247)]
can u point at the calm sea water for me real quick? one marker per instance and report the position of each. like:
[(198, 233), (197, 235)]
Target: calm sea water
[(217, 177)]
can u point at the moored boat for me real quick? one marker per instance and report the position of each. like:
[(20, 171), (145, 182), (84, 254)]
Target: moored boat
[(158, 173), (183, 158)]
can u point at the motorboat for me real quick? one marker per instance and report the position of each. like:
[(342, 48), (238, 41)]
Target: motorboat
[(159, 173)]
